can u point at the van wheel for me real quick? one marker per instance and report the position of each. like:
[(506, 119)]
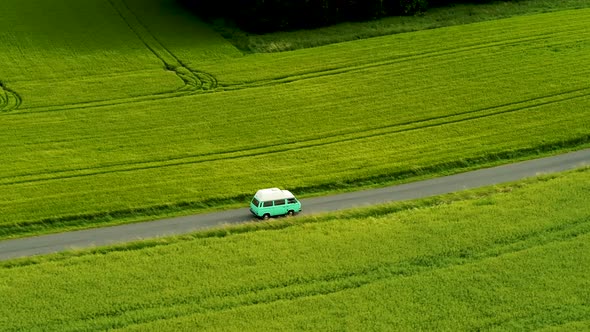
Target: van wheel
[(266, 216), (290, 213)]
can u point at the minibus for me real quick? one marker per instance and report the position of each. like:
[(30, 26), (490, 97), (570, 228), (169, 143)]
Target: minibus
[(273, 202)]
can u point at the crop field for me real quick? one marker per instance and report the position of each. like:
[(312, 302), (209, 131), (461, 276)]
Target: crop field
[(511, 257), (143, 111), (435, 17)]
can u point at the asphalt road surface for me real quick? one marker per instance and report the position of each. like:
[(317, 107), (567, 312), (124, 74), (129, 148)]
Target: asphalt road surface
[(46, 244)]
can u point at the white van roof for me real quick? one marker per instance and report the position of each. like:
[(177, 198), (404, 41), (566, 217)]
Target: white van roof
[(270, 194)]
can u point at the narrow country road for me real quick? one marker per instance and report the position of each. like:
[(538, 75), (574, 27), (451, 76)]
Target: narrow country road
[(45, 244)]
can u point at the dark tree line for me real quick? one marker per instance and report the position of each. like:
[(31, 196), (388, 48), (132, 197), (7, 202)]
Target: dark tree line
[(272, 15)]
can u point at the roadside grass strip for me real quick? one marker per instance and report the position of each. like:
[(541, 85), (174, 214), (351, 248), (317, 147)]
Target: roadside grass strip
[(419, 104), (514, 256)]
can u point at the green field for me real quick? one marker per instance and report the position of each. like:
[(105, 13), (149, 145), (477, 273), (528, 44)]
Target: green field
[(463, 12), (142, 111), (511, 257)]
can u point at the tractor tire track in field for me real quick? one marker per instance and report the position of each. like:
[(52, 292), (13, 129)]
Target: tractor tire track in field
[(9, 100), (194, 81), (314, 142), (331, 283), (198, 82), (398, 60), (575, 29)]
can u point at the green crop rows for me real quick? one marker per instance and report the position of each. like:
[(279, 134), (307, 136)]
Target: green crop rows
[(511, 258), (141, 111)]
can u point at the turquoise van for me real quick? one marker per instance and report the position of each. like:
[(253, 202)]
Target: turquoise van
[(274, 202)]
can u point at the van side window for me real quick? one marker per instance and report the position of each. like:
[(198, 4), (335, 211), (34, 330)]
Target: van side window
[(267, 204), (291, 201), (280, 202)]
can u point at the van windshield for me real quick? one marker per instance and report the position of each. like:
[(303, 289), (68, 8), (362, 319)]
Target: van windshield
[(255, 202)]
